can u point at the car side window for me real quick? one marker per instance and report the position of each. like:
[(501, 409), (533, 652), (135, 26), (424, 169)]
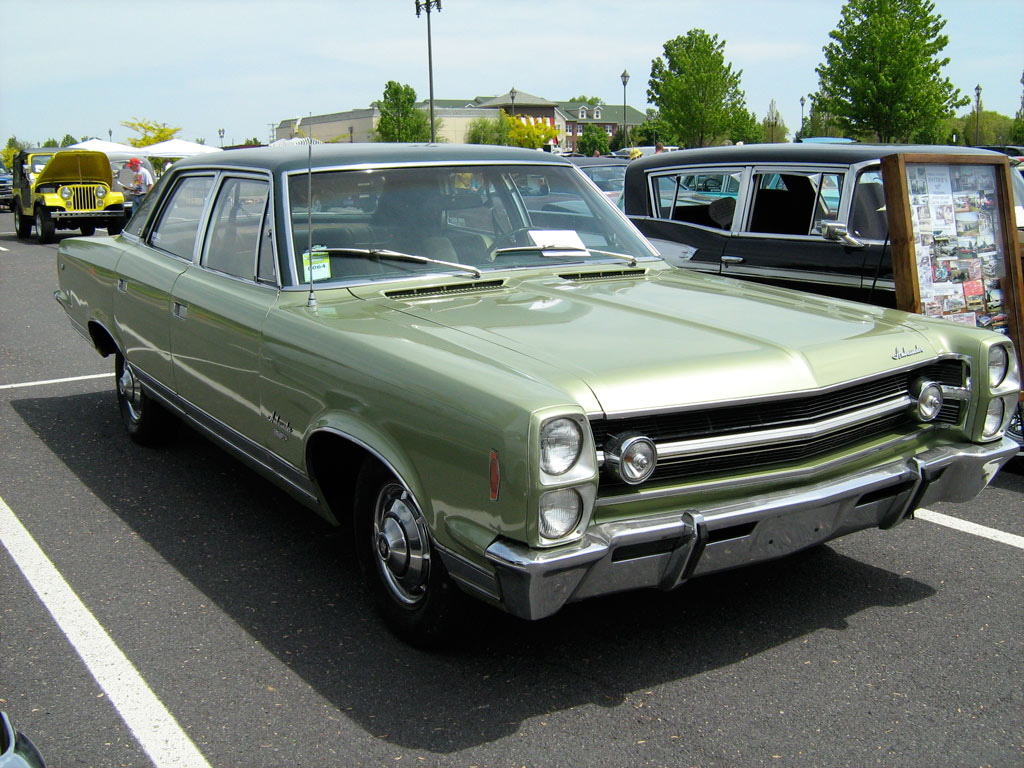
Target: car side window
[(867, 213), (794, 203), (704, 197), (178, 226), (236, 224)]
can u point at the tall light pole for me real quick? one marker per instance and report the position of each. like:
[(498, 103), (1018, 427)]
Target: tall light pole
[(625, 79), (427, 5), (220, 132), (802, 102), (977, 115)]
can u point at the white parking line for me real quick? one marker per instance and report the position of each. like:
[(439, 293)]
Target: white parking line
[(56, 381), (153, 726), (967, 527)]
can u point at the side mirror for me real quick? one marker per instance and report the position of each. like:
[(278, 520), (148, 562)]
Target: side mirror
[(836, 232)]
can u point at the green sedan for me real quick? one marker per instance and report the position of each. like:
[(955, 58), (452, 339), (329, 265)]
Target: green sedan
[(472, 359)]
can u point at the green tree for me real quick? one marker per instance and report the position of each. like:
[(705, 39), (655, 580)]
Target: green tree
[(882, 74), (68, 140), (594, 101), (400, 120), (746, 128), (488, 130), (652, 130), (774, 126), (594, 139), (1017, 132), (820, 123), (696, 91), (51, 143), (150, 131), (13, 148)]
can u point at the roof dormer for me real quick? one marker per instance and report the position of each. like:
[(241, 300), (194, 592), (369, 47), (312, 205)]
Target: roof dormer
[(583, 113)]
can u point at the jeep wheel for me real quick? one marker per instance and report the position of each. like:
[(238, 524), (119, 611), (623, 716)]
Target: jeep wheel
[(46, 227), (114, 228), (22, 225), (410, 587), (146, 422), (88, 230)]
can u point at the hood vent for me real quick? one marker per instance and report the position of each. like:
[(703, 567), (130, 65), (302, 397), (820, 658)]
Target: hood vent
[(445, 290), (615, 274)]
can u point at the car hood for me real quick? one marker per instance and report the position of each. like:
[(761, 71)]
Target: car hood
[(76, 165), (664, 340)]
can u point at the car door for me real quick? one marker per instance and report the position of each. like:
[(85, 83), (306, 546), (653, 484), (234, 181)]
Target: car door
[(779, 239), (220, 305), (691, 213), (156, 255)]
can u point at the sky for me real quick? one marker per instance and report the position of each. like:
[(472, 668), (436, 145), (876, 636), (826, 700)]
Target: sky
[(244, 66)]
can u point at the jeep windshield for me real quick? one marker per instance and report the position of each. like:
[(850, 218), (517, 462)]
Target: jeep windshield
[(454, 218)]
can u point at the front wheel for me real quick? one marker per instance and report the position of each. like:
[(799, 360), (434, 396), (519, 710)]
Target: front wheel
[(22, 224), (1016, 429), (115, 227), (410, 587), (146, 422), (88, 230), (46, 227)]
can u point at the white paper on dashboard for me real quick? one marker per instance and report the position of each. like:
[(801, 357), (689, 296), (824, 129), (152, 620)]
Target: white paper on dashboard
[(554, 239)]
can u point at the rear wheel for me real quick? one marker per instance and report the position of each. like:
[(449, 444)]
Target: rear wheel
[(410, 587), (115, 227), (46, 227), (146, 422), (22, 224), (88, 230)]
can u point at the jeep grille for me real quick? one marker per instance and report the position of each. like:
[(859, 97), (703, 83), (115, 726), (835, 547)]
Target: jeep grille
[(83, 198), (725, 438)]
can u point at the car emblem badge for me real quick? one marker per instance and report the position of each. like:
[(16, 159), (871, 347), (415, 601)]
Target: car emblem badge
[(902, 352)]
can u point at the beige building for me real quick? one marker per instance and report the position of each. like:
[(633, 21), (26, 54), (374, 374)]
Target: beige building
[(357, 125)]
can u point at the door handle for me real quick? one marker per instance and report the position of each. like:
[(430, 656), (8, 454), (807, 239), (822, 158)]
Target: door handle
[(732, 259), (180, 310), (122, 285)]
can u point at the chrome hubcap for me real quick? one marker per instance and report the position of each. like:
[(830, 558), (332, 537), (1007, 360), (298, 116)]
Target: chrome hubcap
[(130, 391), (401, 544)]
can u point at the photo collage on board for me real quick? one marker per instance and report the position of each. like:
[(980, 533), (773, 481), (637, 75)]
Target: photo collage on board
[(960, 257)]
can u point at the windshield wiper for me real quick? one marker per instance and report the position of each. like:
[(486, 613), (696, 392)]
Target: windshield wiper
[(555, 250), (385, 253)]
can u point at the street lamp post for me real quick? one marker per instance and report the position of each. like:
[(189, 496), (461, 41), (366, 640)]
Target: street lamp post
[(220, 132), (802, 102), (427, 5), (512, 95), (625, 79), (977, 115)]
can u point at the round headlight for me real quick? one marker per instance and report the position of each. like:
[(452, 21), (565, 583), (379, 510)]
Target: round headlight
[(561, 441), (994, 417), (65, 192), (101, 192), (633, 458), (559, 512), (998, 365)]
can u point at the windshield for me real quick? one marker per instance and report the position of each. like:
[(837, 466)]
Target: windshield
[(361, 222)]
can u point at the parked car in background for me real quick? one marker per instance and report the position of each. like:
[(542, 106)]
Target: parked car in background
[(6, 187), (64, 189), (609, 173), (510, 394)]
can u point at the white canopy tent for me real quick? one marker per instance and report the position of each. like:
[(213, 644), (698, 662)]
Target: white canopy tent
[(107, 147), (179, 148), (296, 141)]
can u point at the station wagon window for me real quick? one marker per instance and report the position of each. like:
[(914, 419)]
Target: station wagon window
[(178, 227), (235, 227), (698, 196), (868, 219), (794, 203)]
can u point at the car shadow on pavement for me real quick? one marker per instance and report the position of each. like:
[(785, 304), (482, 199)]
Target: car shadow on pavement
[(286, 578)]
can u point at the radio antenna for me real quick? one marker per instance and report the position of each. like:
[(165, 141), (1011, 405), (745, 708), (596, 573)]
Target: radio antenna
[(311, 301)]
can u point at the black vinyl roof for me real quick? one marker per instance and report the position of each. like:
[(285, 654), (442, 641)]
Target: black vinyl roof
[(746, 154), (290, 158)]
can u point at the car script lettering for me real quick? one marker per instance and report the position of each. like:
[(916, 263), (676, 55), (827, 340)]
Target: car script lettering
[(902, 352)]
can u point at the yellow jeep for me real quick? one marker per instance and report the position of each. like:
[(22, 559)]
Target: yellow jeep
[(64, 189)]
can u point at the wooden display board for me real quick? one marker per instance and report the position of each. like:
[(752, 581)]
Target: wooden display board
[(955, 248)]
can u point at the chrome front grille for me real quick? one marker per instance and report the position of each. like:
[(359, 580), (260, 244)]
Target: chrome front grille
[(83, 198), (788, 430)]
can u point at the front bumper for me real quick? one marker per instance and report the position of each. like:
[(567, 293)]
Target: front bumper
[(665, 551), (62, 215)]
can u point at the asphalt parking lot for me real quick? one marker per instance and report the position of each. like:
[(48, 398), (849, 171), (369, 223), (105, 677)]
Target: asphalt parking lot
[(167, 607)]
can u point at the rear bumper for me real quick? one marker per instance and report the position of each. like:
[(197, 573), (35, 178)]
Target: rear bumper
[(666, 551)]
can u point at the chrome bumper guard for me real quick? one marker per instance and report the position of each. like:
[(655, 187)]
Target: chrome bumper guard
[(60, 214), (664, 552)]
